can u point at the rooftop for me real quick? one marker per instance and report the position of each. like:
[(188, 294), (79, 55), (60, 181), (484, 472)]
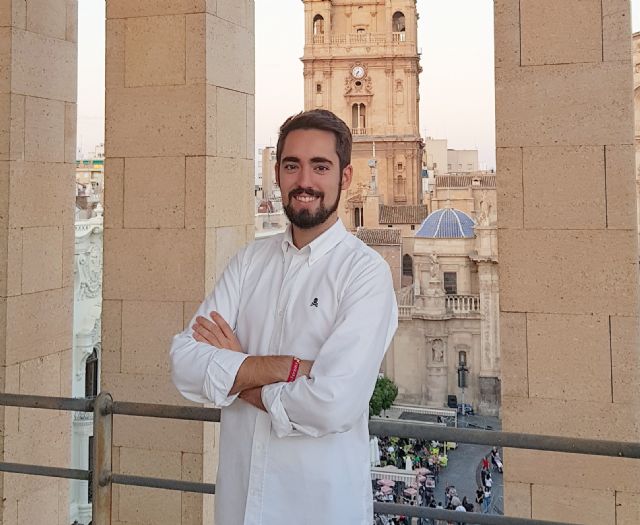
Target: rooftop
[(379, 236), (465, 181), (412, 214), (447, 223)]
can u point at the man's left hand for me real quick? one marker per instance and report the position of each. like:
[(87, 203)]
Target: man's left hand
[(216, 332)]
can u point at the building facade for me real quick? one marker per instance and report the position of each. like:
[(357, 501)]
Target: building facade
[(361, 61), (449, 302)]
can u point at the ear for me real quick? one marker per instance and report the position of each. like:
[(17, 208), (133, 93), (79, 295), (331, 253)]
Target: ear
[(347, 175)]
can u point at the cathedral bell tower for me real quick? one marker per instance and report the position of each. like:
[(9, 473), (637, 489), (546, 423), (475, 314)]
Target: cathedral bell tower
[(361, 62)]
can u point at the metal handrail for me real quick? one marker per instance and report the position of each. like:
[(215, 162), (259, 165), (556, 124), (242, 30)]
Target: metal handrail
[(102, 479)]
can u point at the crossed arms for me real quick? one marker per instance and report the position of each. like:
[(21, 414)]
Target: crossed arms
[(255, 371), (329, 395)]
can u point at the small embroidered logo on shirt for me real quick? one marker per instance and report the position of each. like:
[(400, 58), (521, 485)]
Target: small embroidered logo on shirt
[(314, 302)]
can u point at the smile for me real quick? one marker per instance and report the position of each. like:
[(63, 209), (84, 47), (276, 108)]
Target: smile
[(305, 198)]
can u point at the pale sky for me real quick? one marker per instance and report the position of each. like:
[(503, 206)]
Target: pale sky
[(456, 85)]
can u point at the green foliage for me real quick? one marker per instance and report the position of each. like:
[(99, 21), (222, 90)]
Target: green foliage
[(384, 394)]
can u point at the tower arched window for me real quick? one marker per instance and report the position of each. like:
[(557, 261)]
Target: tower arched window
[(407, 265), (398, 26), (318, 25), (398, 22), (359, 116)]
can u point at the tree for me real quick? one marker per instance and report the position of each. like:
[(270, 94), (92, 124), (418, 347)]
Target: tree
[(384, 394)]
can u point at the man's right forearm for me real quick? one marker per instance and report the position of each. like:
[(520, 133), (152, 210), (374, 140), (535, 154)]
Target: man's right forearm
[(257, 371)]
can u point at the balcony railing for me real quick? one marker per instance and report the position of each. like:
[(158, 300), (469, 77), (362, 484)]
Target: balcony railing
[(405, 312), (102, 478), (356, 39), (462, 304), (360, 131)]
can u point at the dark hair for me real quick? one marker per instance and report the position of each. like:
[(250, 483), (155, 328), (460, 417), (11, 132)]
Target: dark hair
[(319, 119)]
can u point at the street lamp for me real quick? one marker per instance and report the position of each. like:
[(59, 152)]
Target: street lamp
[(462, 377)]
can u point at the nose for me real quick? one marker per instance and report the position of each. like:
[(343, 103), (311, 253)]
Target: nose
[(305, 176)]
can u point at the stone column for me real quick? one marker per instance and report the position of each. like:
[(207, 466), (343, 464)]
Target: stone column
[(179, 203), (568, 253), (489, 379), (38, 72)]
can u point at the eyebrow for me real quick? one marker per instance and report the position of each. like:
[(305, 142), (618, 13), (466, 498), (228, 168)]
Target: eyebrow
[(321, 159), (314, 160)]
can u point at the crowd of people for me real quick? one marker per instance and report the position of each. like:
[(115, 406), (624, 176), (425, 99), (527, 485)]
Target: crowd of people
[(426, 458)]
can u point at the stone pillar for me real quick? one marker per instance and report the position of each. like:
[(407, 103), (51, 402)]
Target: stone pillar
[(489, 377), (38, 72), (178, 204), (568, 253)]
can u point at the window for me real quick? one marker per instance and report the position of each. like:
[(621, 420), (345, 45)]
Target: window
[(358, 116), (357, 217), (90, 463), (318, 88), (400, 166), (407, 265), (398, 22), (91, 375), (450, 283), (360, 30), (318, 25), (462, 358), (413, 226)]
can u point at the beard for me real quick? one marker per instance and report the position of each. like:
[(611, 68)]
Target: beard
[(304, 219)]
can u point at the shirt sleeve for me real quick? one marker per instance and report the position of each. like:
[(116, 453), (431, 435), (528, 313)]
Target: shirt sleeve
[(201, 372), (344, 373)]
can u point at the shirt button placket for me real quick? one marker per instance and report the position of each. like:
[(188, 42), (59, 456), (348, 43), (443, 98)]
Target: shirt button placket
[(253, 514)]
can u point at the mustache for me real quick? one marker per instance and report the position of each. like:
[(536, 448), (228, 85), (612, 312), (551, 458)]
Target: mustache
[(308, 191)]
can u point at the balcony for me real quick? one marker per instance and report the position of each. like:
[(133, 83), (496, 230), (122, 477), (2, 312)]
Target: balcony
[(405, 312), (359, 39), (102, 476), (462, 304), (360, 131)]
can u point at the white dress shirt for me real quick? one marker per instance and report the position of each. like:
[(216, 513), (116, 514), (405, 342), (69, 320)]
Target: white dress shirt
[(305, 460)]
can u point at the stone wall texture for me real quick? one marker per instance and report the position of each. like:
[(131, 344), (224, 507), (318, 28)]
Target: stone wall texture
[(568, 253), (178, 204), (38, 57)]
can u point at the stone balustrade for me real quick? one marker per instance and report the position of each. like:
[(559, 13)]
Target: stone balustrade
[(462, 304), (359, 131), (405, 312), (354, 39)]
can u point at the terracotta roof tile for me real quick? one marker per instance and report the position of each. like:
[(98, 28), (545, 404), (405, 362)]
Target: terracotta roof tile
[(464, 181), (402, 214), (379, 236)]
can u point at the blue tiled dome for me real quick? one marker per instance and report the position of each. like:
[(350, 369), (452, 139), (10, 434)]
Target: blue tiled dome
[(447, 223)]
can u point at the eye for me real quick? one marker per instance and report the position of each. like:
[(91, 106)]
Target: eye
[(290, 166), (322, 169)]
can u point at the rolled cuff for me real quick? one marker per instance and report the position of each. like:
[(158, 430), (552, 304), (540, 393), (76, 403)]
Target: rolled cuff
[(221, 374), (271, 399)]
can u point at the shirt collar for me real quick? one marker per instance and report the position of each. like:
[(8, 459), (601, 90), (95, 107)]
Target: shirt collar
[(320, 245)]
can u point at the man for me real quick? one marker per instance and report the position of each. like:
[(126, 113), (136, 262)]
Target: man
[(289, 345)]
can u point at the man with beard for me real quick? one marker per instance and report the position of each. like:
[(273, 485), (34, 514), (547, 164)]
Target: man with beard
[(289, 345)]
